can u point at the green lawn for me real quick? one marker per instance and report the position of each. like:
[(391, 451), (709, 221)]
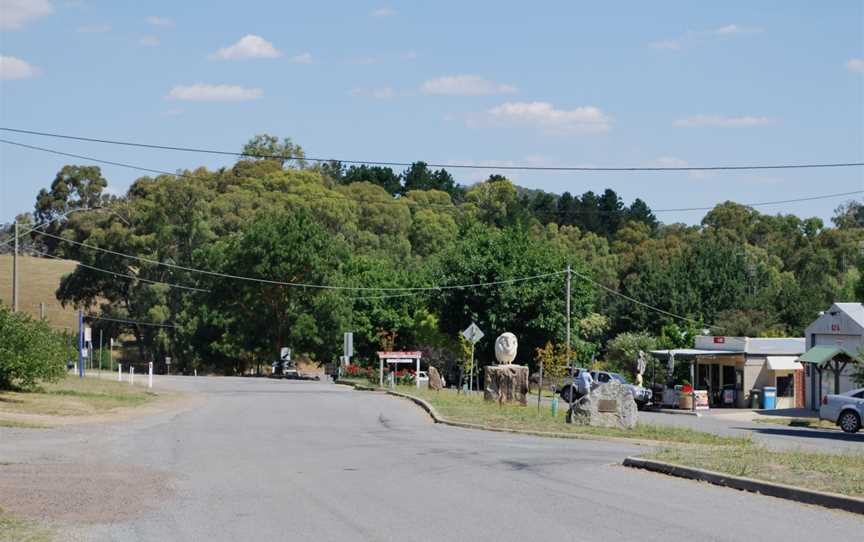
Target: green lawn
[(836, 473), (473, 409), (14, 529), (73, 396)]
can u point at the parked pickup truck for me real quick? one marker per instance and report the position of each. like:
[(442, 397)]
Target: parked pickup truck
[(845, 410), (571, 387)]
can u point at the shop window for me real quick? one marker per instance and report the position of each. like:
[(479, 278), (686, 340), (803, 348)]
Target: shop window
[(785, 386)]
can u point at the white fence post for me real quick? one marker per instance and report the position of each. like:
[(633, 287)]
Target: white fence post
[(150, 375), (131, 374), (119, 372)]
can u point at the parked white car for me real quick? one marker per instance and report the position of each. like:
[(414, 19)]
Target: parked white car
[(423, 378), (845, 410)]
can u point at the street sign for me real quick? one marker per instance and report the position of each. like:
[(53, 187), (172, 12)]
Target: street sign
[(473, 333), (87, 335), (167, 361), (348, 344), (285, 354)]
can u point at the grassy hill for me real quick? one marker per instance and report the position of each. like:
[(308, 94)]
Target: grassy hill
[(38, 279)]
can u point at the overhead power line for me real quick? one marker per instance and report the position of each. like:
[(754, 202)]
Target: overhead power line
[(123, 321), (439, 165), (121, 275), (301, 284), (409, 202), (641, 303)]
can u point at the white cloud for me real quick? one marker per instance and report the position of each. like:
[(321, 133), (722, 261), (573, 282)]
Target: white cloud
[(383, 12), (214, 93), (15, 68), (408, 55), (465, 85), (94, 29), (855, 65), (543, 115), (149, 41), (693, 35), (302, 58), (249, 46), (384, 93), (15, 13), (160, 21), (724, 122)]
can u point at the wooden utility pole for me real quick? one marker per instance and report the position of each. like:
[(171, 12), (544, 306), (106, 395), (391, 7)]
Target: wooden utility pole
[(569, 360), (15, 271)]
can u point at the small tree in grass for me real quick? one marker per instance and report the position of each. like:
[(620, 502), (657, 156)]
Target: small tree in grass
[(30, 351), (624, 349), (553, 358)]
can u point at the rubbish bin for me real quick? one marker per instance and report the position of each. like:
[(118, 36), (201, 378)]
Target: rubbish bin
[(769, 397), (755, 399)]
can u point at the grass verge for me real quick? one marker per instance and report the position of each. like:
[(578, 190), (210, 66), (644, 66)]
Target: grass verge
[(473, 409), (835, 473), (74, 396), (14, 529)]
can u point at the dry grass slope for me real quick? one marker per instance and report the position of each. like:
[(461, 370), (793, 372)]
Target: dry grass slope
[(37, 282)]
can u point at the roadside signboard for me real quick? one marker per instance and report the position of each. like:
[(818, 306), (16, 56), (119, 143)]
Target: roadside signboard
[(167, 361), (473, 333), (285, 354), (87, 334)]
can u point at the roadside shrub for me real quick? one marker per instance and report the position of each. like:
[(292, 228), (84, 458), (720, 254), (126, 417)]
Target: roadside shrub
[(30, 351)]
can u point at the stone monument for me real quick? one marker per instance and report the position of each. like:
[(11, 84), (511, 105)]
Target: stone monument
[(608, 405), (435, 382), (506, 382)]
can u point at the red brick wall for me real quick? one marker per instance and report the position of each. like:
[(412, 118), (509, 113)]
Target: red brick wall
[(799, 389)]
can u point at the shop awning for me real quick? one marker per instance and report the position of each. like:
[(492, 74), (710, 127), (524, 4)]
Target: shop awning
[(824, 353), (784, 363)]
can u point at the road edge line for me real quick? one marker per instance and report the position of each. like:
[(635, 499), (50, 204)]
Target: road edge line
[(780, 491)]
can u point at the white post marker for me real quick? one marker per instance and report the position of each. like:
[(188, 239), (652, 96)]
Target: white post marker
[(119, 372), (131, 374), (150, 375)]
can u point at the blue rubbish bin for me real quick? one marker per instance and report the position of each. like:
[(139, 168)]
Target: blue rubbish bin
[(769, 397)]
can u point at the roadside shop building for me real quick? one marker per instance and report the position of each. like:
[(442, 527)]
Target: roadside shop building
[(730, 368), (834, 351)]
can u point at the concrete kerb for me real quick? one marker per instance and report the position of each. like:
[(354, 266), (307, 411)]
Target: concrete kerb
[(437, 418), (781, 491)]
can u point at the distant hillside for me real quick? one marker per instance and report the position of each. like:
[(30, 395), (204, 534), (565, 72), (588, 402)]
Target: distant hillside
[(38, 279)]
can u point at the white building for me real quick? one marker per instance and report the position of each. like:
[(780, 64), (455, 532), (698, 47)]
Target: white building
[(834, 351), (743, 364)]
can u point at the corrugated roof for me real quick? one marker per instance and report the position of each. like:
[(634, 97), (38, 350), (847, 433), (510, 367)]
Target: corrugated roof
[(855, 311), (823, 353)]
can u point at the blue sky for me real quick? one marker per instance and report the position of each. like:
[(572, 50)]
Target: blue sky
[(497, 83)]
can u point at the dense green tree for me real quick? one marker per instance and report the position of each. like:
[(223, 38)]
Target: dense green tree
[(258, 317), (268, 147), (384, 177), (30, 352), (533, 310)]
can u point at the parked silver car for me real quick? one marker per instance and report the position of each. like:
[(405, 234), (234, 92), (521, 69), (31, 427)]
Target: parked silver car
[(845, 410)]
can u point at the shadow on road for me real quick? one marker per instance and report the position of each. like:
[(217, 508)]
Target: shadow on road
[(824, 434)]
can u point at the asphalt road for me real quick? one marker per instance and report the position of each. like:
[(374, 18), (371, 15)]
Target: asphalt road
[(287, 460)]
